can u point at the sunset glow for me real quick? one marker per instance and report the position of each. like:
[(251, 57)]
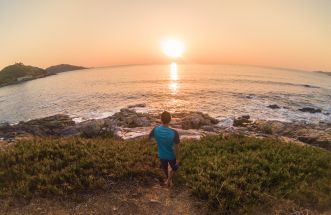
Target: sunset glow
[(288, 34), (173, 47)]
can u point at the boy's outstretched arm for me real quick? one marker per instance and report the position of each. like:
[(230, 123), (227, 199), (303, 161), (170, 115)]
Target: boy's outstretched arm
[(150, 136)]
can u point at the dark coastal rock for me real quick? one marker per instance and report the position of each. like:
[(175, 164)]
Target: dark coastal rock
[(309, 86), (310, 110), (48, 126), (90, 128), (70, 131), (58, 125), (136, 121), (95, 127), (195, 120), (6, 130), (130, 118), (4, 124), (242, 121), (274, 106), (208, 128), (179, 114), (315, 134), (269, 127), (137, 105)]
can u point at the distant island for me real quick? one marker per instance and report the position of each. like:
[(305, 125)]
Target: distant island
[(63, 68), (324, 72), (19, 72)]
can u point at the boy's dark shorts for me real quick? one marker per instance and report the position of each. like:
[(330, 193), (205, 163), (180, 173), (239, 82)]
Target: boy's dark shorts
[(173, 164)]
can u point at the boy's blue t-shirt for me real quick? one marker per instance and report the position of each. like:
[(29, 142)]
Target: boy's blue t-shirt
[(166, 138)]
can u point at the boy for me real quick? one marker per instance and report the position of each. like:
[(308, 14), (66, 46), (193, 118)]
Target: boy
[(167, 139)]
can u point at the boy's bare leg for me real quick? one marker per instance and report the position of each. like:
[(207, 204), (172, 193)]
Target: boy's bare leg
[(166, 172), (170, 176)]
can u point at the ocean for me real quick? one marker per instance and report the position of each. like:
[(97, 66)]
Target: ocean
[(223, 91)]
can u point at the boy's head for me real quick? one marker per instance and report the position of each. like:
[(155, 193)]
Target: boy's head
[(165, 117)]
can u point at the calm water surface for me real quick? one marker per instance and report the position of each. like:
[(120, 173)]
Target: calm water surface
[(223, 91)]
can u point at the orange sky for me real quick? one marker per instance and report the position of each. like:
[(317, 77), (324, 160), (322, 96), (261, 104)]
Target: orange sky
[(280, 33)]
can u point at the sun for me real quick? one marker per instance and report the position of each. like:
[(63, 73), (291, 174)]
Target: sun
[(173, 47)]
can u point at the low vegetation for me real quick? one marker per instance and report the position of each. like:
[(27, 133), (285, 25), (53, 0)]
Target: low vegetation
[(60, 167), (232, 174), (19, 72), (239, 173)]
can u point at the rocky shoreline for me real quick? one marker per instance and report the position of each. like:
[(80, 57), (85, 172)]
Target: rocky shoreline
[(129, 123)]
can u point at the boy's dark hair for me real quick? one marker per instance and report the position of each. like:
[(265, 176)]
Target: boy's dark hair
[(165, 117)]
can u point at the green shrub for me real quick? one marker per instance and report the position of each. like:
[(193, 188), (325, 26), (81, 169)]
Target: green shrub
[(61, 166), (237, 173)]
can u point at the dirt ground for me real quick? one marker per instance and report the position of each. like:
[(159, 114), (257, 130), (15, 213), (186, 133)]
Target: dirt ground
[(134, 198), (118, 199)]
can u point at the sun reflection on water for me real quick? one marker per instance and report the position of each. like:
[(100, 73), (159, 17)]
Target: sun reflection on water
[(173, 72), (173, 86)]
